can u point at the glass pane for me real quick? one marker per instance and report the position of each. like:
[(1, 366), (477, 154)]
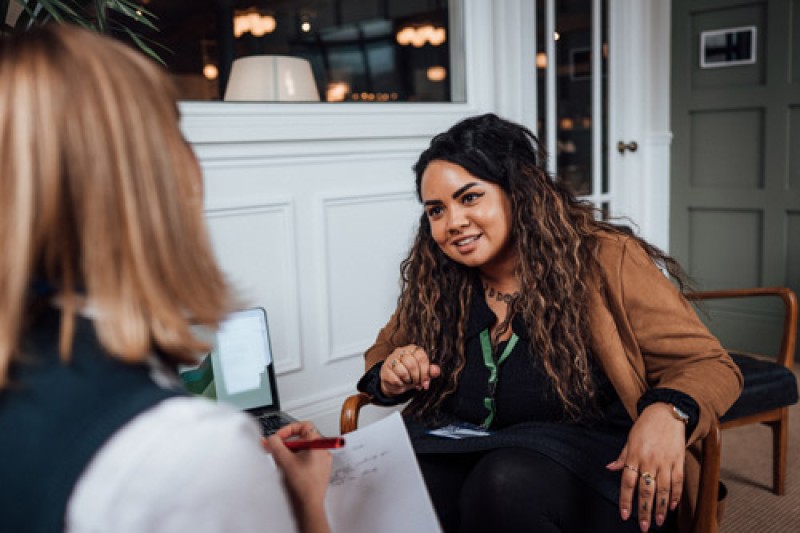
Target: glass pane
[(574, 60), (357, 50), (541, 66), (604, 40), (574, 75)]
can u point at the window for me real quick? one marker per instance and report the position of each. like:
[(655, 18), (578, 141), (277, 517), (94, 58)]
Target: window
[(358, 50)]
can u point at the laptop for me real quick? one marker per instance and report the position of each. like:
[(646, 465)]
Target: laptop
[(241, 371)]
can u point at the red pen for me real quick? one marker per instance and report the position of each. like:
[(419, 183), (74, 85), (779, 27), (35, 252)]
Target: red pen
[(315, 444)]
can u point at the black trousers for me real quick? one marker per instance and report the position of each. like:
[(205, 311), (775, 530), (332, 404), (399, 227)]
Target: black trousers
[(517, 489)]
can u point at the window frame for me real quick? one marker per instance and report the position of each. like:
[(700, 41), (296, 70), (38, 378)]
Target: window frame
[(259, 122)]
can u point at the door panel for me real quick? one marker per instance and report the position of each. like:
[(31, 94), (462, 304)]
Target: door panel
[(732, 17), (735, 183), (795, 41), (727, 149), (721, 238)]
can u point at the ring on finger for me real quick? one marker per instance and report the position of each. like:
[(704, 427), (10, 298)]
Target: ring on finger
[(631, 468), (648, 478)]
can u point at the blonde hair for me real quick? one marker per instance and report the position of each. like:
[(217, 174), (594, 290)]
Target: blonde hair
[(100, 198)]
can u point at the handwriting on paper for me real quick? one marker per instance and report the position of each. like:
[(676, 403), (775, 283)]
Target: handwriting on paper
[(365, 466)]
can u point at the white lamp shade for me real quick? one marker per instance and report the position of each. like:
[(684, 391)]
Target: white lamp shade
[(271, 78)]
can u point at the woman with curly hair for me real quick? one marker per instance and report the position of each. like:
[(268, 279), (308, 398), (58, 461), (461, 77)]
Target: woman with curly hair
[(573, 373)]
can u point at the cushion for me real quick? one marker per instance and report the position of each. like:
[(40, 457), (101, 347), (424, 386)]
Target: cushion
[(767, 385)]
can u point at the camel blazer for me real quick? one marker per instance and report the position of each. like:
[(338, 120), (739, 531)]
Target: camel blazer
[(645, 334)]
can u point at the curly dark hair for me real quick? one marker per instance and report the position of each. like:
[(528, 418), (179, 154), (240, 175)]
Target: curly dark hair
[(556, 238)]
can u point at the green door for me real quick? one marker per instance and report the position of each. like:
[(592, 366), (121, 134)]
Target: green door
[(735, 167)]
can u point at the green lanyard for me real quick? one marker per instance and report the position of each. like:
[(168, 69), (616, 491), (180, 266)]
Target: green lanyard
[(491, 365)]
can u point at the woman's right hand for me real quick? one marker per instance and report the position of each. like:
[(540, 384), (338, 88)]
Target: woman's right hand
[(406, 368), (306, 475)]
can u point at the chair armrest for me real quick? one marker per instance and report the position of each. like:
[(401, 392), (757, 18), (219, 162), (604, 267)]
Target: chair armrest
[(348, 420), (705, 516), (789, 337)]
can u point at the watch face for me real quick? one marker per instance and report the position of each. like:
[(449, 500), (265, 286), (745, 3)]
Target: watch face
[(680, 415)]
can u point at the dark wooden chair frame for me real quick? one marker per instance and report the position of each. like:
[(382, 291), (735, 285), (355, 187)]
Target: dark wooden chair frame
[(776, 419)]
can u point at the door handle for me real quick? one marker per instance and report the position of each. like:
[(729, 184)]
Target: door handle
[(631, 146)]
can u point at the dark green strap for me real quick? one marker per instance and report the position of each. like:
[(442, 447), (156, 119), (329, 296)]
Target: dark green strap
[(492, 366)]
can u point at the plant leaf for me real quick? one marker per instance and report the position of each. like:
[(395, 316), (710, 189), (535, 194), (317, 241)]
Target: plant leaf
[(30, 16), (57, 10), (144, 46), (100, 14), (133, 11), (89, 14)]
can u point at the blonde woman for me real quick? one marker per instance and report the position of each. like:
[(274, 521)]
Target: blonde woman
[(105, 265)]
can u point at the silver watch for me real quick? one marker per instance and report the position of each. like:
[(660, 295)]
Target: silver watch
[(680, 414)]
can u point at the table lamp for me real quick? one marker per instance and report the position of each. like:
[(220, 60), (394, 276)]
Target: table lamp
[(271, 78)]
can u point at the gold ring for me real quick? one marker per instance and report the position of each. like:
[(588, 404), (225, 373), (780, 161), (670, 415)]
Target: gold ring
[(648, 478), (394, 362), (631, 468)]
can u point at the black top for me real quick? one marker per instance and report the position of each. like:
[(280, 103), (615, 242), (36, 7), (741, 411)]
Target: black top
[(528, 411), (54, 417)]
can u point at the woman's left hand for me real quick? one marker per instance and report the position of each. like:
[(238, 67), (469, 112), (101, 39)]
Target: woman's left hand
[(652, 460)]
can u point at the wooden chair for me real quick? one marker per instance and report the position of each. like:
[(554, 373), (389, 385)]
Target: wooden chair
[(706, 510), (770, 385)]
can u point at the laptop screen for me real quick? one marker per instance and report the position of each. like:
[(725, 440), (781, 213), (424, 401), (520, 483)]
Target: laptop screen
[(241, 362)]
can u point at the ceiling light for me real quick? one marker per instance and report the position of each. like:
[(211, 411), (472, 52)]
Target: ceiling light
[(210, 71), (419, 36), (251, 21), (437, 73)]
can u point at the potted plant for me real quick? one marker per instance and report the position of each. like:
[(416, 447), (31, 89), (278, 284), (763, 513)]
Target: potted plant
[(111, 17)]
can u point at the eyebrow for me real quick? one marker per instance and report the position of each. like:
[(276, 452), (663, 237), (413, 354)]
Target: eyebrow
[(463, 189), (455, 195)]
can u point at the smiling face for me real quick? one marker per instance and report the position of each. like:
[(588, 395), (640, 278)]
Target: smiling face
[(470, 218)]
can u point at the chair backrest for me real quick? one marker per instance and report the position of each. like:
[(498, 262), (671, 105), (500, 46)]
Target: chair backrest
[(789, 337)]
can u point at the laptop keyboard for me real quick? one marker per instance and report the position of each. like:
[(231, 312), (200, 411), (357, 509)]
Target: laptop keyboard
[(271, 423)]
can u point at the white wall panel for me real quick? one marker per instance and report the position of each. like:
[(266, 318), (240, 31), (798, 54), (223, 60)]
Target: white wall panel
[(255, 246), (365, 285), (319, 233)]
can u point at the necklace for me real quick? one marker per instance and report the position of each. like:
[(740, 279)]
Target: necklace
[(506, 297)]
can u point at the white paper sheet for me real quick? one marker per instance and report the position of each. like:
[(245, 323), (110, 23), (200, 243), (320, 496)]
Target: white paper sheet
[(375, 487), (376, 484)]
